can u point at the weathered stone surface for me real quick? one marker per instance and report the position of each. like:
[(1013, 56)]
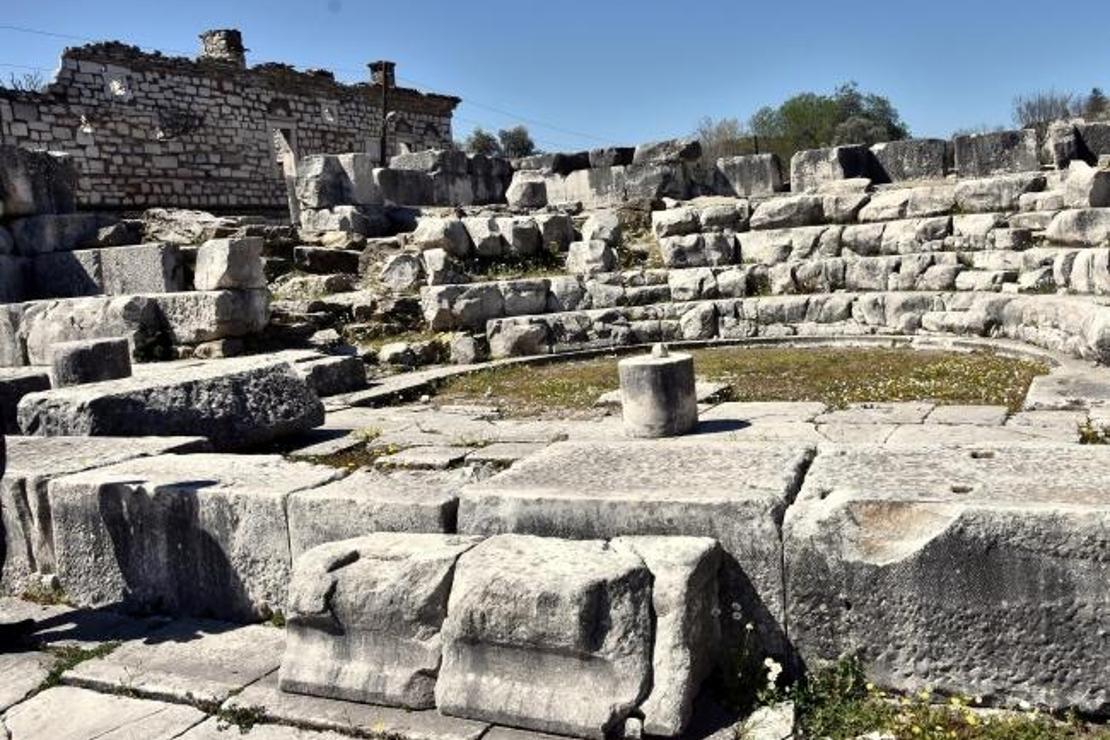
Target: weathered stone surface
[(23, 673), (56, 233), (187, 661), (912, 159), (235, 403), (365, 618), (369, 501), (33, 182), (526, 191), (69, 713), (612, 156), (44, 323), (199, 535), (788, 211), (215, 728), (204, 316), (522, 236), (727, 490), (547, 634), (350, 717), (15, 383), (230, 263), (1087, 227), (950, 567), (448, 234), (752, 174), (330, 375), (980, 155), (590, 257), (670, 151), (89, 361), (675, 222), (405, 272), (183, 226), (1086, 186), (31, 463), (462, 306), (998, 193), (687, 629), (811, 167)]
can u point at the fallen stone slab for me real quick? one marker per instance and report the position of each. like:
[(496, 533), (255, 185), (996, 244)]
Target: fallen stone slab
[(366, 502), (198, 662), (975, 570), (547, 634), (204, 316), (15, 383), (687, 629), (23, 672), (731, 491), (188, 535), (42, 324), (1081, 387), (70, 713), (32, 462), (318, 713), (328, 375), (235, 403), (365, 617)]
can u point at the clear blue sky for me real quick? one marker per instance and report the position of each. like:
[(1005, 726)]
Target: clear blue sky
[(625, 71)]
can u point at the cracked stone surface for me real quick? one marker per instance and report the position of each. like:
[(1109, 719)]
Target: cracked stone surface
[(89, 715)]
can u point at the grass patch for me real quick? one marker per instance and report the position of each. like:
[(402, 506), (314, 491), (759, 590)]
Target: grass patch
[(245, 718), (834, 376), (354, 458), (70, 656), (838, 702), (52, 595), (1089, 434)]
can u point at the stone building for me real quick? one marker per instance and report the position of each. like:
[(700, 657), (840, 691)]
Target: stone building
[(147, 129)]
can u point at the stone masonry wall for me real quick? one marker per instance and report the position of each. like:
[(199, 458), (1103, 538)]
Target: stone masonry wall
[(146, 130)]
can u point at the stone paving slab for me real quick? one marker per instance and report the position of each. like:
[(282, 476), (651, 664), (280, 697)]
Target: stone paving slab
[(429, 457), (785, 411), (198, 662), (852, 433), (901, 412), (59, 625), (22, 673), (1074, 386), (1069, 420), (504, 453), (215, 729), (960, 434), (769, 429), (371, 501), (317, 713), (70, 713), (968, 414), (202, 535)]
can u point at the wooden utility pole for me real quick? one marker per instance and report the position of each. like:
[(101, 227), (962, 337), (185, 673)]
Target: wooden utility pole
[(382, 72)]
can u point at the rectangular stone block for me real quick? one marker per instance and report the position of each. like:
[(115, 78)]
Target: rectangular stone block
[(752, 174), (976, 570), (547, 634), (14, 278), (43, 323), (224, 264), (982, 155), (196, 535), (912, 159), (71, 713), (810, 168), (32, 462), (365, 617), (202, 316), (15, 383), (142, 268), (733, 492), (366, 502), (236, 403), (67, 274), (35, 182)]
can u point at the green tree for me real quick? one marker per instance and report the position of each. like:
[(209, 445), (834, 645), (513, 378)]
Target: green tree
[(516, 142), (481, 141), (1096, 106)]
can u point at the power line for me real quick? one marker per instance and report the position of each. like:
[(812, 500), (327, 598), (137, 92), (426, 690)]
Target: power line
[(429, 88)]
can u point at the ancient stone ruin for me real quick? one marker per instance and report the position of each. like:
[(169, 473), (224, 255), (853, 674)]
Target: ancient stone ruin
[(178, 386)]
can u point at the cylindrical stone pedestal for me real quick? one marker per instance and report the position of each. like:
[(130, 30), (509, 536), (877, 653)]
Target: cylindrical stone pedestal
[(657, 394), (89, 361)]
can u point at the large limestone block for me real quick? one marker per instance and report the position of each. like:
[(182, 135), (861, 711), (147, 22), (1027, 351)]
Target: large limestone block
[(981, 155), (235, 403), (43, 323), (55, 232), (788, 211), (810, 168), (1084, 227), (751, 174), (733, 492), (1086, 186), (687, 631), (230, 264), (368, 501), (590, 257), (203, 316), (34, 182), (547, 634), (448, 234), (997, 193), (365, 618), (527, 191), (912, 159), (32, 462), (198, 535), (89, 361), (320, 182), (667, 151), (142, 268), (64, 274), (470, 306), (973, 570), (15, 277)]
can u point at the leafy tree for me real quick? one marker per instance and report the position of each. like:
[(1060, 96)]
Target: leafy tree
[(1096, 105), (727, 137), (516, 142), (866, 118), (481, 141)]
